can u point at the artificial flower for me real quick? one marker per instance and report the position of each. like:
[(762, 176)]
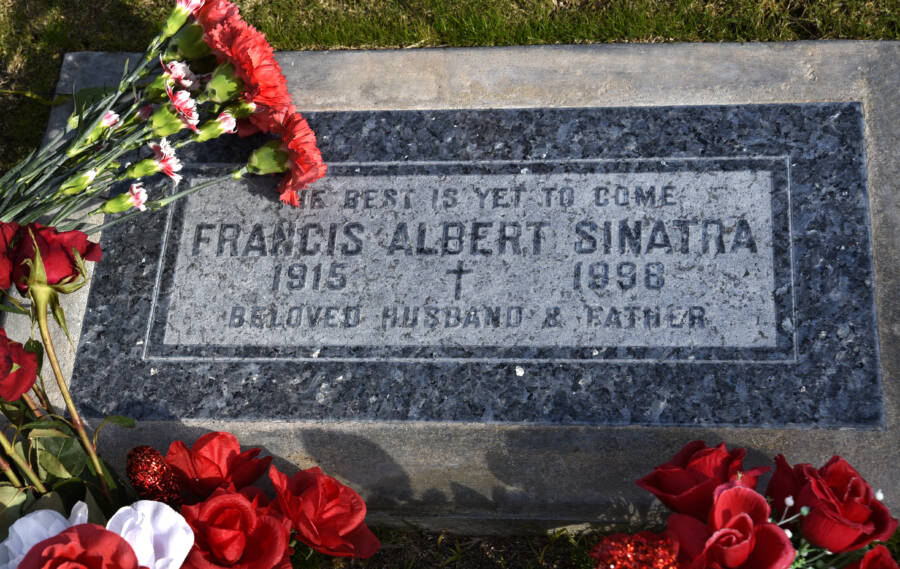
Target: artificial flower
[(305, 164), (327, 515), (160, 536), (56, 249), (18, 368), (33, 528), (738, 535), (84, 546), (844, 513), (644, 550), (215, 461), (231, 531), (877, 558), (686, 483), (8, 231)]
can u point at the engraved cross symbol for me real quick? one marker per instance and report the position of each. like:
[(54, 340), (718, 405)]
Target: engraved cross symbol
[(459, 271)]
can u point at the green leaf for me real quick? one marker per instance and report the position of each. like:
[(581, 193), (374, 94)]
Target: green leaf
[(36, 347), (84, 98), (10, 496), (46, 433), (119, 420), (18, 500), (13, 309), (49, 501), (95, 512), (62, 457)]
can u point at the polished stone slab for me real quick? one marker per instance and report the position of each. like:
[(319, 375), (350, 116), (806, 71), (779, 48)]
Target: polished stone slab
[(449, 464)]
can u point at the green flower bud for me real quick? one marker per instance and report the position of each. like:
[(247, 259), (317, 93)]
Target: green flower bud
[(156, 90), (177, 18), (241, 109), (146, 167), (165, 121), (78, 183), (118, 204), (268, 159), (224, 85), (188, 43)]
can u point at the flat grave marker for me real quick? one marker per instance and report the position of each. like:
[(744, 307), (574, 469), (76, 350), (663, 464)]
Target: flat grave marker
[(515, 293)]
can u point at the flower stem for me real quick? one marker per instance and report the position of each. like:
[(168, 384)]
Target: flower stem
[(20, 462), (67, 397), (31, 405), (8, 471)]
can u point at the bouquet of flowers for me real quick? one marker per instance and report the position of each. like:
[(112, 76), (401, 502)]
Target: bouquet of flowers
[(208, 74), (808, 518)]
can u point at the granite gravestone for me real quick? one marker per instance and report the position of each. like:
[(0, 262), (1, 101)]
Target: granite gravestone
[(485, 305)]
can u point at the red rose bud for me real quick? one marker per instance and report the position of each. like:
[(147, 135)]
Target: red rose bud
[(877, 558), (85, 546), (686, 483), (844, 513), (18, 368), (59, 266), (737, 536), (327, 515), (231, 531), (215, 461), (8, 232)]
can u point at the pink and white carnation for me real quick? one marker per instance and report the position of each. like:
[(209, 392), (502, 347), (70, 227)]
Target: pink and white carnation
[(180, 73), (227, 122), (109, 120), (190, 6), (159, 536), (185, 106), (165, 159), (138, 196), (33, 528)]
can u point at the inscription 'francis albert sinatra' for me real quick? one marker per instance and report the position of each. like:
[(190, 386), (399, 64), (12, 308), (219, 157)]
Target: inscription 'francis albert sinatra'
[(582, 259)]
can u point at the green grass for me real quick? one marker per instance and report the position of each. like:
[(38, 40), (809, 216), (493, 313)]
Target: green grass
[(35, 33)]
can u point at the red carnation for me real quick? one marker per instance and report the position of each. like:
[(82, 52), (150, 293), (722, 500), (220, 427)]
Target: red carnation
[(877, 558), (85, 546), (18, 368), (327, 515), (234, 41), (7, 232), (215, 461), (686, 483), (738, 535), (304, 159), (56, 253), (843, 512)]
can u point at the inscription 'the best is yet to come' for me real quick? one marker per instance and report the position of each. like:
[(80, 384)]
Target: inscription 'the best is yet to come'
[(646, 259)]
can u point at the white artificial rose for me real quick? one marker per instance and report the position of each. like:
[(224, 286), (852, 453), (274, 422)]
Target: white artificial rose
[(160, 537), (33, 528)]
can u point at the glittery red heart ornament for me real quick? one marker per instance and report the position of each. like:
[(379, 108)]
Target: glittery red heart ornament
[(151, 477)]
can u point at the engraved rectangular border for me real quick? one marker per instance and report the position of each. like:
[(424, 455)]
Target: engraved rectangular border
[(785, 352)]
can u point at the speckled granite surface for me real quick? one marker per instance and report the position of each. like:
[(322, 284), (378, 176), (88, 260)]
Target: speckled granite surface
[(822, 371)]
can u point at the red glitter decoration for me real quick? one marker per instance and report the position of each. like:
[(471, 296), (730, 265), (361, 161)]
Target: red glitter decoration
[(151, 477), (645, 550)]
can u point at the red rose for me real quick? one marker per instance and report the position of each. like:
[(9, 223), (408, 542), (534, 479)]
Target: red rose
[(686, 483), (231, 531), (56, 253), (738, 535), (843, 512), (18, 368), (327, 515), (877, 558), (85, 546), (215, 461), (7, 232)]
